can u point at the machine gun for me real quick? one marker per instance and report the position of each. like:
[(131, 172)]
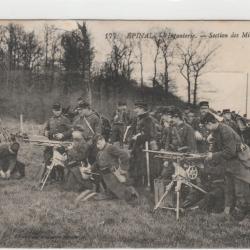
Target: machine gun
[(177, 156), (47, 142), (184, 171)]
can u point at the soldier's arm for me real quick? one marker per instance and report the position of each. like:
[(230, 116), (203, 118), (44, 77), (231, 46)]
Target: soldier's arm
[(68, 129), (121, 155), (46, 129), (229, 147)]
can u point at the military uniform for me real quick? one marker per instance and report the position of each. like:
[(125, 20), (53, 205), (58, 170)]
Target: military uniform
[(145, 126), (121, 120), (94, 126), (77, 156), (9, 162), (58, 124), (226, 148), (182, 135), (108, 159), (202, 145)]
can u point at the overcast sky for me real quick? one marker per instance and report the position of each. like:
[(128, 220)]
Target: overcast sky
[(224, 86)]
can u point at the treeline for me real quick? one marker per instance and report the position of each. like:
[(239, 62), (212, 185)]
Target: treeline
[(58, 65)]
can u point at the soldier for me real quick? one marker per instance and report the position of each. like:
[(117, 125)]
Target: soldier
[(229, 121), (9, 164), (57, 128), (88, 121), (227, 145), (90, 124), (201, 133), (144, 131), (183, 138), (113, 164), (76, 179), (121, 120)]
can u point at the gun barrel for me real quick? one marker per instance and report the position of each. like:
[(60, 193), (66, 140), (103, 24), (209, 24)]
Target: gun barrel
[(168, 153), (48, 142)]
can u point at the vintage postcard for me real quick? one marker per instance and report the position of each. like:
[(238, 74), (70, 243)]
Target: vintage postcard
[(124, 134)]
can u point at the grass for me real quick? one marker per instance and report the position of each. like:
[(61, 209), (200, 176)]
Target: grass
[(30, 218)]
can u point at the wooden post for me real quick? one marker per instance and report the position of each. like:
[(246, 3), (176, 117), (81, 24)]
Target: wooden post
[(147, 164), (21, 123)]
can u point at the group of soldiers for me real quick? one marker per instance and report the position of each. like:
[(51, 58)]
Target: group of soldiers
[(109, 158)]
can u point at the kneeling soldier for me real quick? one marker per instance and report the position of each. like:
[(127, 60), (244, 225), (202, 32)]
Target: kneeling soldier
[(113, 163), (8, 161)]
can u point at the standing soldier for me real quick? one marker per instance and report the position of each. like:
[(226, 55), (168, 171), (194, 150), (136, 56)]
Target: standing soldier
[(229, 121), (57, 128), (145, 131), (121, 120), (227, 146), (90, 124), (183, 138)]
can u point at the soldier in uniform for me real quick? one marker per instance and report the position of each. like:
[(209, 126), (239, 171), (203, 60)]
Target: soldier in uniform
[(227, 145), (78, 180), (113, 164), (9, 164), (90, 124), (144, 131), (57, 128), (121, 120), (201, 133), (229, 121), (181, 139)]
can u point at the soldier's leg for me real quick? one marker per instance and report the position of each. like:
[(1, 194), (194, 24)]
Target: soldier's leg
[(20, 168), (229, 190)]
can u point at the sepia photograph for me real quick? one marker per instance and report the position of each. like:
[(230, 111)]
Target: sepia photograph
[(124, 133)]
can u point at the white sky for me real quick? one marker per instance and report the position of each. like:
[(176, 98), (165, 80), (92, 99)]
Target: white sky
[(221, 88)]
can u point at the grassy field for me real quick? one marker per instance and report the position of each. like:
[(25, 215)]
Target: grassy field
[(30, 218)]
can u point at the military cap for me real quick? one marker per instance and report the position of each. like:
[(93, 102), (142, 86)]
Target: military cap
[(208, 117), (84, 104), (141, 104), (56, 106), (204, 103), (176, 113), (78, 128), (97, 138), (225, 111)]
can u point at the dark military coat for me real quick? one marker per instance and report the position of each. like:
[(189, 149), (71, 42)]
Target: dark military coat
[(7, 159), (183, 136), (59, 124), (94, 122), (108, 158)]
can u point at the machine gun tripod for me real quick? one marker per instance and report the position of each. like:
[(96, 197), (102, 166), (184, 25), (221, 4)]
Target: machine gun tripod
[(180, 177)]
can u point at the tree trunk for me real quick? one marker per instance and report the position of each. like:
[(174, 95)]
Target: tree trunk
[(195, 91)]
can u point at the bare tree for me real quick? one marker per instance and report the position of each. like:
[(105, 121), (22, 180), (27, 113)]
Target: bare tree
[(120, 61), (51, 46), (157, 41), (194, 59), (138, 54), (168, 51)]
